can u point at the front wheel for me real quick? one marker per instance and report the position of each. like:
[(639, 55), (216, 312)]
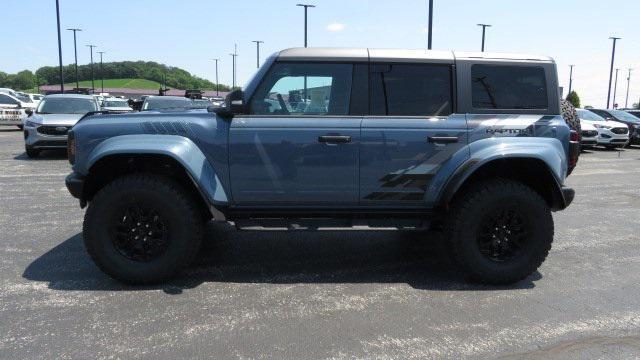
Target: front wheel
[(499, 231), (142, 228)]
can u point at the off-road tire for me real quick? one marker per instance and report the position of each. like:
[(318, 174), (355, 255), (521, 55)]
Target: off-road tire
[(170, 201), (468, 215), (31, 152)]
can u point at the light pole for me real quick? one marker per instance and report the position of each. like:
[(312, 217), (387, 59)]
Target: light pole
[(93, 88), (570, 78), (59, 46), (615, 88), (233, 72), (258, 42), (613, 54), (101, 73), (484, 26), (217, 87), (75, 52), (626, 99), (306, 7), (430, 26)]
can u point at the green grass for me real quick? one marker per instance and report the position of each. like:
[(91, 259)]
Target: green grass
[(118, 83)]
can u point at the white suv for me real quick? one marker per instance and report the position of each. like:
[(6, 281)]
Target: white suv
[(13, 109), (589, 134), (611, 134)]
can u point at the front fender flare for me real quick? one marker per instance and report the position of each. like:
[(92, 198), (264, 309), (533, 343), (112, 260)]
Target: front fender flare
[(179, 148)]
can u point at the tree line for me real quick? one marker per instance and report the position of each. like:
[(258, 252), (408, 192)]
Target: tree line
[(172, 77)]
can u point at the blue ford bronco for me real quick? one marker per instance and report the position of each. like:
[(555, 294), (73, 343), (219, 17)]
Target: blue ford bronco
[(470, 144)]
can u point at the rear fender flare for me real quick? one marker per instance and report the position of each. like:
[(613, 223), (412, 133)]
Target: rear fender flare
[(549, 151)]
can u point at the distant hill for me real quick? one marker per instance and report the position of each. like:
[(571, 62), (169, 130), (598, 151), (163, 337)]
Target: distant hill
[(118, 83), (150, 71)]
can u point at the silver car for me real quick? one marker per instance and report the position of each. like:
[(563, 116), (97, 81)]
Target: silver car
[(47, 128)]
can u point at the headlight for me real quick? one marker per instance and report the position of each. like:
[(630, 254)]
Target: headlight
[(602, 126), (31, 124)]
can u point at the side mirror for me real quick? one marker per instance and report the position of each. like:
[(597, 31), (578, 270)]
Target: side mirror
[(233, 105), (29, 112)]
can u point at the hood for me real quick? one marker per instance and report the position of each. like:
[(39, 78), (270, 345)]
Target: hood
[(587, 125), (56, 119)]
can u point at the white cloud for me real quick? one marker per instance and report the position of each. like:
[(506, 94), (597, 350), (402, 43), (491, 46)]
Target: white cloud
[(336, 27)]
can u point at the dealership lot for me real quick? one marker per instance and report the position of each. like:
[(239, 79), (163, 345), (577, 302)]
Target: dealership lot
[(332, 294)]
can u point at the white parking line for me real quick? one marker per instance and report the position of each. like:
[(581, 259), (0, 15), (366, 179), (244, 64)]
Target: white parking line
[(32, 175)]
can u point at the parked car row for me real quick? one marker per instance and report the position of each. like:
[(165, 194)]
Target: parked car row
[(608, 128)]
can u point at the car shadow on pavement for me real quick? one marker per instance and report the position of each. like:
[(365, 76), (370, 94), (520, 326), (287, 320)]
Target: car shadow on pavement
[(229, 255), (54, 154)]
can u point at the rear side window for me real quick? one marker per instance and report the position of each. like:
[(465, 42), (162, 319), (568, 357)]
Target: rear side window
[(411, 90), (508, 87)]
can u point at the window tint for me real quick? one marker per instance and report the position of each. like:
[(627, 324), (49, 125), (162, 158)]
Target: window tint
[(412, 90), (508, 87), (304, 89), (4, 99)]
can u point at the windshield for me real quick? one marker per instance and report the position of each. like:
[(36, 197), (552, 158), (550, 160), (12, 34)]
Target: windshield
[(623, 115), (23, 98), (160, 103), (115, 103), (588, 115), (66, 106)]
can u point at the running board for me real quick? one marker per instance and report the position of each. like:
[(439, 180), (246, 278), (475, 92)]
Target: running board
[(314, 224)]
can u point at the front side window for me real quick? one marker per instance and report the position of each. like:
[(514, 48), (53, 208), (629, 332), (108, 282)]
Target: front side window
[(296, 89), (508, 87), (411, 90), (66, 106)]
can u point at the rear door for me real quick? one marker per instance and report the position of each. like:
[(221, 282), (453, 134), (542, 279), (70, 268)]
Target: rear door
[(411, 132), (298, 146)]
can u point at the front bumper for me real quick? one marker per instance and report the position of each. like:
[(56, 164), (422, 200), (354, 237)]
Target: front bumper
[(568, 194), (36, 140), (609, 138), (588, 141), (75, 185)]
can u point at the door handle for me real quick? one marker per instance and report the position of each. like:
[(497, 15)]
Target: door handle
[(442, 139), (334, 139)]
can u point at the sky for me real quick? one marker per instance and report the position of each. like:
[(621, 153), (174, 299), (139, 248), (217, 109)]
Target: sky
[(188, 34)]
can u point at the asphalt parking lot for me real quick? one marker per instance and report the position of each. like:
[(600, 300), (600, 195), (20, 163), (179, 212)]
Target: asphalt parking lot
[(332, 294)]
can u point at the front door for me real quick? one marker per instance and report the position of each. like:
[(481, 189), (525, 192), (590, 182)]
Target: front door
[(297, 146), (411, 133)]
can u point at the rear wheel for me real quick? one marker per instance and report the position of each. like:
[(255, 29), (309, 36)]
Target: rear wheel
[(499, 231), (142, 228)]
